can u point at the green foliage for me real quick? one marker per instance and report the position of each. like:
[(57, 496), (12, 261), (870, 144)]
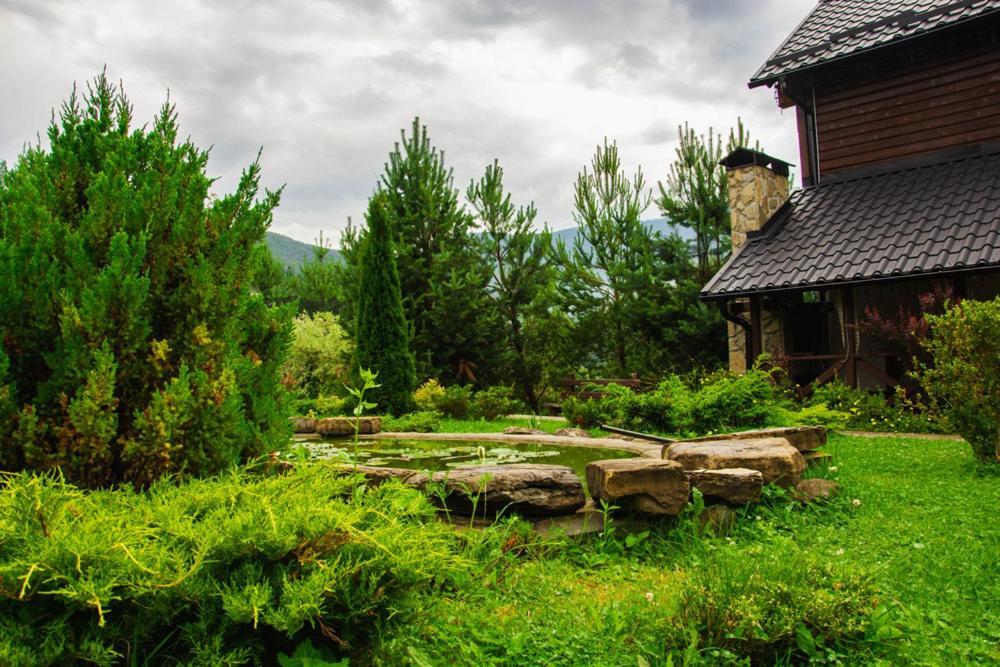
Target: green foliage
[(319, 355), (788, 602), (496, 401), (316, 283), (415, 422), (321, 406), (455, 402), (868, 410), (521, 272), (135, 347), (427, 395), (382, 341), (964, 375), (225, 570)]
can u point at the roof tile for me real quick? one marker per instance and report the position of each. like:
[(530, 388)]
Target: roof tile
[(839, 28), (941, 217)]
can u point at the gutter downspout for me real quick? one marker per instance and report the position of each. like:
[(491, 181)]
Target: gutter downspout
[(743, 324)]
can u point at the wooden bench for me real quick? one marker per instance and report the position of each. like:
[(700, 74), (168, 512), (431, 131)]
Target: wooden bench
[(571, 387)]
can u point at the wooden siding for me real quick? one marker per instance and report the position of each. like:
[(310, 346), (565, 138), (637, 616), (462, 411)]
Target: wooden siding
[(898, 111)]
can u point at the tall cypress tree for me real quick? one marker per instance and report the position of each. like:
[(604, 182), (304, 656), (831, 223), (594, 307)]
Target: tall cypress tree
[(382, 340)]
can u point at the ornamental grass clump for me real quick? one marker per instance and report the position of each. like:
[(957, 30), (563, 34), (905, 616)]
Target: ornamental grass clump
[(228, 570), (131, 345)]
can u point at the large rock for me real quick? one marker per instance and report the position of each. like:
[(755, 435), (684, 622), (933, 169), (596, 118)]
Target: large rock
[(572, 433), (334, 426), (303, 425), (816, 489), (736, 486), (802, 438), (531, 489), (774, 458), (651, 486), (376, 475)]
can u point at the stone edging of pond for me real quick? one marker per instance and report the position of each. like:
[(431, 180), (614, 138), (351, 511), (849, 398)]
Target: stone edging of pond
[(642, 449)]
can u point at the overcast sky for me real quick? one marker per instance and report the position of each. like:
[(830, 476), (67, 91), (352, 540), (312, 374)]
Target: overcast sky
[(324, 86)]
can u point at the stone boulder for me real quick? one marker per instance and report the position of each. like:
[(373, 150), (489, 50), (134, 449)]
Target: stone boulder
[(303, 425), (736, 486), (523, 430), (531, 489), (338, 426), (802, 438), (376, 475), (651, 486), (572, 433), (814, 490), (774, 458)]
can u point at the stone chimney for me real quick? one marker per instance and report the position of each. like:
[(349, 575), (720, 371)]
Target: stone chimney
[(758, 186)]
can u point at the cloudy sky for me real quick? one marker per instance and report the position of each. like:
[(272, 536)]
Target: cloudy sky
[(324, 86)]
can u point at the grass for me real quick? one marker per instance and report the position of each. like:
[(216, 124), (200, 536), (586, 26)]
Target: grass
[(905, 576)]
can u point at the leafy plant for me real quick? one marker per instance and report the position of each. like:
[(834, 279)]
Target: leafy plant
[(427, 395), (415, 422), (455, 402), (319, 354)]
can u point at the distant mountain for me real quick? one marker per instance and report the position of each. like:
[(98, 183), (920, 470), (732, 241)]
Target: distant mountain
[(655, 225), (287, 250), (293, 253)]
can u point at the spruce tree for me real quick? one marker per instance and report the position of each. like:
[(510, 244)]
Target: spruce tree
[(382, 343), (132, 343)]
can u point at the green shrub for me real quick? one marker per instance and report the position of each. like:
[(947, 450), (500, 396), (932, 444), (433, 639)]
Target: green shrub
[(494, 402), (584, 413), (871, 411), (415, 422), (427, 395), (732, 402), (319, 354), (455, 402), (134, 346), (788, 604), (964, 375), (221, 571)]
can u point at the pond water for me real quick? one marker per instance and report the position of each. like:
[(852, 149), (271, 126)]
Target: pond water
[(437, 455)]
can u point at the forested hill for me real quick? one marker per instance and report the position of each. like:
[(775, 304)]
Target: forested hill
[(287, 250), (292, 252)]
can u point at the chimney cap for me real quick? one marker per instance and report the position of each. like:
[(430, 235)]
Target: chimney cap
[(744, 157)]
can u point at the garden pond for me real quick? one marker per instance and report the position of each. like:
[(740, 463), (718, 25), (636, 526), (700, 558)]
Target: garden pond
[(439, 455)]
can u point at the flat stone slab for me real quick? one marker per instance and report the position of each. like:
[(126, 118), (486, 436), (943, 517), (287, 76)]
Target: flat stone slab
[(523, 430), (774, 458), (736, 486), (333, 426), (657, 487), (802, 438), (531, 489), (572, 433), (303, 425)]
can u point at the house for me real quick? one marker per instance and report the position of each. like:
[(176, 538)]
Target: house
[(898, 108)]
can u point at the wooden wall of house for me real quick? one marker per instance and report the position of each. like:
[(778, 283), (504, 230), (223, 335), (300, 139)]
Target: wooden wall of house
[(910, 101)]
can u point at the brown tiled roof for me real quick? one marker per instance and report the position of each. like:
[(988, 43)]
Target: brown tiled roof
[(939, 218), (840, 28)]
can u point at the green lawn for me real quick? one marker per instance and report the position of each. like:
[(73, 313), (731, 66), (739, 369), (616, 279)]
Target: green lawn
[(904, 574)]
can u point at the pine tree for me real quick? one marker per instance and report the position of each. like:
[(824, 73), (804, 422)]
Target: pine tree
[(382, 343), (133, 343), (442, 276), (518, 255), (609, 263), (696, 194)]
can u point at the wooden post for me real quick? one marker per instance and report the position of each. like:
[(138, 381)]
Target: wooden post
[(850, 325), (756, 335)]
